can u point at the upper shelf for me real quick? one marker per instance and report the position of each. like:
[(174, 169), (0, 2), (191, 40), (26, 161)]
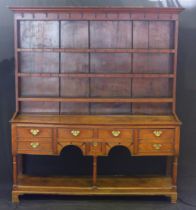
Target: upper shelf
[(96, 50), (94, 75)]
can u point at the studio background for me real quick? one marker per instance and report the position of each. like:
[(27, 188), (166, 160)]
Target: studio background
[(186, 98)]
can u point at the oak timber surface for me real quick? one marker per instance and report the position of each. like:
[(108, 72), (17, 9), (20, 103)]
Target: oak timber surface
[(110, 182), (98, 119)]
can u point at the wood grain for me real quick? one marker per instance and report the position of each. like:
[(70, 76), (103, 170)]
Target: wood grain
[(117, 34), (74, 34), (36, 62), (39, 34), (147, 120)]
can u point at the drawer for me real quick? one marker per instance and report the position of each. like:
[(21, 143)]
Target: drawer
[(34, 147), (155, 148), (33, 132), (115, 133), (75, 133), (95, 149), (156, 134)]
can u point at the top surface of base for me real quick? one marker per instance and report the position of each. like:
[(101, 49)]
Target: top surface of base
[(97, 119)]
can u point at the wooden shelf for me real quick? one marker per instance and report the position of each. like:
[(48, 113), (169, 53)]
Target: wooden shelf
[(96, 50), (93, 75), (111, 185), (97, 119), (99, 100)]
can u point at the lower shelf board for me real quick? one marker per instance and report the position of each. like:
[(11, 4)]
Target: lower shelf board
[(111, 185)]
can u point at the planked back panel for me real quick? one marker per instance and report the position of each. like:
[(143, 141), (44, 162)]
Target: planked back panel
[(39, 36)]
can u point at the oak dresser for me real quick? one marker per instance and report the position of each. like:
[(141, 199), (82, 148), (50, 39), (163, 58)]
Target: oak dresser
[(96, 78)]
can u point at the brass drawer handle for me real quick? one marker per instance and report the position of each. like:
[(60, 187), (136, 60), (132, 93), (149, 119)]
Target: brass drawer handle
[(75, 132), (157, 133), (34, 132), (95, 144), (157, 146), (34, 145), (116, 133)]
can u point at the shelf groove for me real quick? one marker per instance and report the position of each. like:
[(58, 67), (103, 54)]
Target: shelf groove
[(99, 100)]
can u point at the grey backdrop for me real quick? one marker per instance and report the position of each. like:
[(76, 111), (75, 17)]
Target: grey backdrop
[(186, 91)]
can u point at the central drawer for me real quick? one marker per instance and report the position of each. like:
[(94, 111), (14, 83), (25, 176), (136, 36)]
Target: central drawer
[(115, 133), (76, 133)]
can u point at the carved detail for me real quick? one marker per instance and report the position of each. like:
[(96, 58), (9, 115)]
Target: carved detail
[(99, 149), (110, 146), (80, 145), (95, 15)]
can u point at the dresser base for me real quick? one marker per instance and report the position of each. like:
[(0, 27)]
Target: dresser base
[(96, 136), (111, 185)]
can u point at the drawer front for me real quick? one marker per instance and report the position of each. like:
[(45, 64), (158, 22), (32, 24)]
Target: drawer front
[(115, 133), (74, 133), (157, 134), (34, 147), (33, 132), (95, 149), (155, 148)]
